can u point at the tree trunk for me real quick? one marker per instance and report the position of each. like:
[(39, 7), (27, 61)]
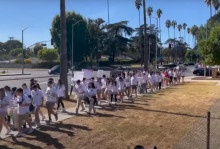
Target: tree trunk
[(145, 38), (211, 9), (169, 32), (139, 17), (63, 56)]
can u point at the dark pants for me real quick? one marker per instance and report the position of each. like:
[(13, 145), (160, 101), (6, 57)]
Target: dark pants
[(60, 101), (160, 84), (71, 90), (115, 96)]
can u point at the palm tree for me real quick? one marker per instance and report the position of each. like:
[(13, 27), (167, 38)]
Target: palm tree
[(179, 28), (168, 25), (194, 31), (174, 23), (184, 28), (189, 31), (63, 51), (146, 52), (216, 5), (138, 5), (209, 3), (159, 13), (149, 13)]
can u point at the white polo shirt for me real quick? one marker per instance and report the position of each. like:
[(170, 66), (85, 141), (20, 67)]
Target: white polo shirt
[(23, 100), (60, 91), (51, 94), (37, 97)]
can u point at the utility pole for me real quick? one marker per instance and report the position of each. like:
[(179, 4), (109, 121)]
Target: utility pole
[(145, 38), (23, 49)]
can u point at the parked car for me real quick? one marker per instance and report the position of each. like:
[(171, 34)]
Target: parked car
[(55, 70), (200, 72)]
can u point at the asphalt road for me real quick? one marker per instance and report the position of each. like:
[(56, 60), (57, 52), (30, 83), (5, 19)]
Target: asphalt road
[(41, 75)]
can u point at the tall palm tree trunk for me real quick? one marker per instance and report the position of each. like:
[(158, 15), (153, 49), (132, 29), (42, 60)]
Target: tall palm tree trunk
[(174, 52), (169, 32), (139, 11), (160, 29), (63, 51), (149, 42), (211, 9), (145, 38)]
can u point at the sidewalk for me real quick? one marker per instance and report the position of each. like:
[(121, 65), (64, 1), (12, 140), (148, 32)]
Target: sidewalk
[(69, 113)]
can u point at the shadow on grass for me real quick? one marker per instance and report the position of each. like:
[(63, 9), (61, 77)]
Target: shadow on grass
[(4, 147), (45, 138)]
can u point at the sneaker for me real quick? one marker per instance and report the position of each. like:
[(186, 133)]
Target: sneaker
[(8, 132), (63, 110), (56, 116), (30, 131), (43, 118)]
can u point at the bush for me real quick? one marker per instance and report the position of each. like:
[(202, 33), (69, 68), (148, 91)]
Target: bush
[(18, 61), (48, 55), (16, 52), (28, 61), (46, 65)]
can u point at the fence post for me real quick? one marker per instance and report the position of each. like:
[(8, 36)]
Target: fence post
[(208, 130)]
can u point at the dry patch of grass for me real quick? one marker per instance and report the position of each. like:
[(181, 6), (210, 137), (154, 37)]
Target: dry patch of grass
[(154, 120)]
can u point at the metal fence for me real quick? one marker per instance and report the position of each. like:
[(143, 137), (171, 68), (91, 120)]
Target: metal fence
[(206, 132)]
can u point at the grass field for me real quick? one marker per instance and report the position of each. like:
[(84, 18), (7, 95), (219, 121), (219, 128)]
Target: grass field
[(153, 120)]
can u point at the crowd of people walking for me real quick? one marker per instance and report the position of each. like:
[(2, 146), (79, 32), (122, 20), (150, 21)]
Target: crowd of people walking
[(19, 105)]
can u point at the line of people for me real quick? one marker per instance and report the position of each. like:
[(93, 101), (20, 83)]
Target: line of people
[(126, 85), (17, 105)]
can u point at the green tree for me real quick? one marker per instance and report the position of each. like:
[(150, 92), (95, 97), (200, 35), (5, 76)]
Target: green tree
[(80, 36), (16, 52), (168, 25), (11, 44), (191, 55), (48, 55), (36, 48), (118, 42), (210, 48), (96, 38)]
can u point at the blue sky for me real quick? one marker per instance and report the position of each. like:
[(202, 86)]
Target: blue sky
[(16, 15)]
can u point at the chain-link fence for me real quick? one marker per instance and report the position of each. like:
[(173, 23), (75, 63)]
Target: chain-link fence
[(206, 132)]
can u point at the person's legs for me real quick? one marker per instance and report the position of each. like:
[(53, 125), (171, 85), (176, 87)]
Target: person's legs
[(91, 105), (71, 90), (111, 97), (48, 110), (160, 84), (58, 103), (20, 123), (28, 120), (36, 114), (115, 97), (61, 102)]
